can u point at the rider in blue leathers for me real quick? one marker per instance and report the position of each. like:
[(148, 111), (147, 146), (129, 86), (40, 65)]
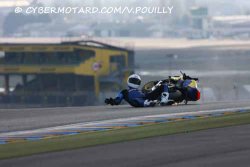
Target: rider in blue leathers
[(181, 91), (138, 99)]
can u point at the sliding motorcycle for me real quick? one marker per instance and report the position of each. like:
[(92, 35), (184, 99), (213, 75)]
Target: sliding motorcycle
[(182, 89)]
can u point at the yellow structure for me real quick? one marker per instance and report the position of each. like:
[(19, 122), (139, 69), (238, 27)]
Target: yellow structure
[(64, 69)]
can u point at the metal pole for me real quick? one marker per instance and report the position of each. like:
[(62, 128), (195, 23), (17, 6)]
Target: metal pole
[(97, 85), (170, 56), (6, 84)]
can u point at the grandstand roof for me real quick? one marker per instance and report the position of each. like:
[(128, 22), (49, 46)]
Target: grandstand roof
[(59, 41)]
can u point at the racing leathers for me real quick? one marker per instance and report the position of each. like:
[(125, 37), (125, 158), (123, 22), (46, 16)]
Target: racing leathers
[(175, 90), (136, 98)]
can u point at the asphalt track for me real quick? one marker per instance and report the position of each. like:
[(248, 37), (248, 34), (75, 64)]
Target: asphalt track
[(215, 147), (27, 119)]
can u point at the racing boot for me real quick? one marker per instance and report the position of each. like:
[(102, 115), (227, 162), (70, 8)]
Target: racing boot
[(165, 99)]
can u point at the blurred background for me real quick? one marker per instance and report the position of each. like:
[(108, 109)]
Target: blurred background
[(205, 39), (190, 19)]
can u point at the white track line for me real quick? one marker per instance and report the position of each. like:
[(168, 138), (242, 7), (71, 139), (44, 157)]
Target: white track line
[(120, 120)]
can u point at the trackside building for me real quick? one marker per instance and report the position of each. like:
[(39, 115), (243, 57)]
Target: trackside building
[(61, 73)]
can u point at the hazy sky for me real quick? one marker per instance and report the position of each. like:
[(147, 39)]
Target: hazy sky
[(216, 6)]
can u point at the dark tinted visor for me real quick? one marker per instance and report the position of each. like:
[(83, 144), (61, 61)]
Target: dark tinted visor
[(135, 81)]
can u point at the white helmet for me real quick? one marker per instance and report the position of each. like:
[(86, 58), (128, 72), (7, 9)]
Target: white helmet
[(134, 81)]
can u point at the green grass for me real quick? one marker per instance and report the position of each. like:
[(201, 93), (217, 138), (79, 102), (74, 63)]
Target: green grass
[(119, 135)]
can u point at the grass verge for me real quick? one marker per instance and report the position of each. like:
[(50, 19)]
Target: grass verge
[(106, 137)]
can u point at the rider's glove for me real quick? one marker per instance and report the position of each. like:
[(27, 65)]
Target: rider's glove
[(149, 103), (110, 101)]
